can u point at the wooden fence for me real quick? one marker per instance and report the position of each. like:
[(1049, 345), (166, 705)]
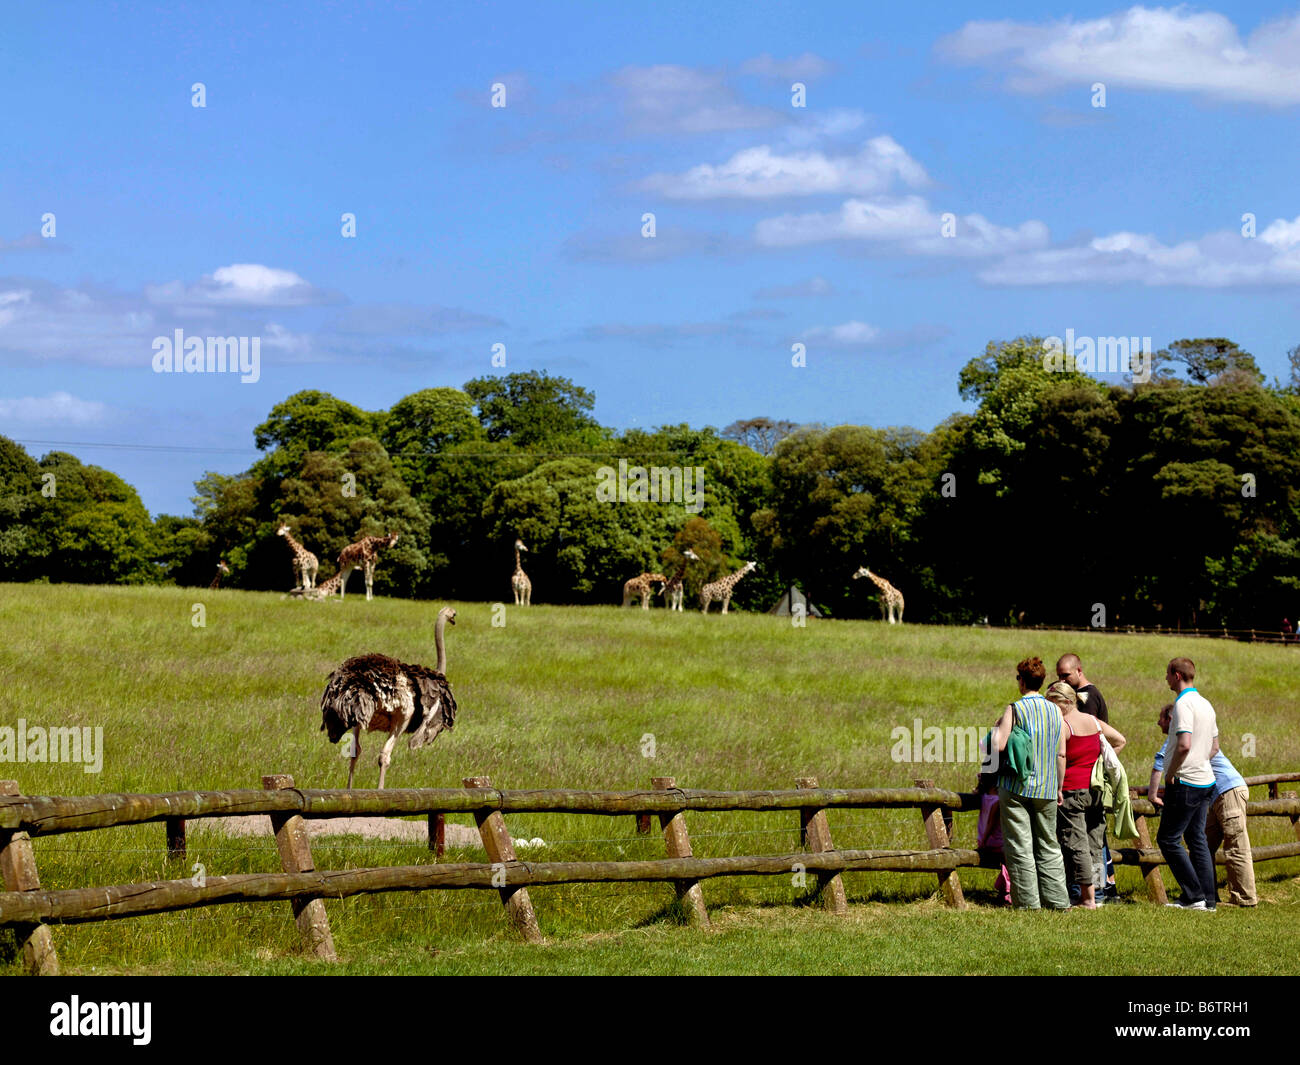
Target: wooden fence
[(1276, 636), (30, 910)]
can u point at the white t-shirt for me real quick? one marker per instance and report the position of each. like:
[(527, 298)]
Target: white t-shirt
[(1193, 714)]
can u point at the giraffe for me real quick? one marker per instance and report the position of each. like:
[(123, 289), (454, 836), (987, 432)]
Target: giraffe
[(640, 586), (890, 596), (304, 562), (321, 592), (364, 553), (675, 589), (519, 581), (722, 589), (222, 569)]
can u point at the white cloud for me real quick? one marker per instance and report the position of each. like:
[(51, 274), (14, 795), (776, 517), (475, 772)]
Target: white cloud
[(814, 286), (761, 173), (1222, 259), (89, 325), (796, 68), (673, 99), (240, 285), (849, 334), (58, 408), (862, 335), (906, 224), (1170, 49)]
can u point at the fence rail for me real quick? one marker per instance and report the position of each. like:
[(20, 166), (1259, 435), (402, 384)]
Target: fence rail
[(31, 909), (1277, 636)]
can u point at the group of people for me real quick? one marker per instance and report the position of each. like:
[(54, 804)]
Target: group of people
[(1044, 800)]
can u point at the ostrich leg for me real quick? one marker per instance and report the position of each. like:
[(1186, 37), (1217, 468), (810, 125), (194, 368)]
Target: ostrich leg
[(356, 754)]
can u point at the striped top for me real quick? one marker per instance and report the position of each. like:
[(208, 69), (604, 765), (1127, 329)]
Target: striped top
[(1042, 720)]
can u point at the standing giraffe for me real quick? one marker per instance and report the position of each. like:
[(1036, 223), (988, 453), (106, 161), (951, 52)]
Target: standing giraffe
[(364, 553), (890, 596), (640, 586), (722, 589), (222, 569), (304, 562), (675, 588), (519, 581)]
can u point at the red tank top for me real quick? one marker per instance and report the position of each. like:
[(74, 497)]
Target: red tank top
[(1081, 754)]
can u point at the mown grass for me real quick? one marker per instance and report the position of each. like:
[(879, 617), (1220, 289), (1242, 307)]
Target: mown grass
[(563, 697)]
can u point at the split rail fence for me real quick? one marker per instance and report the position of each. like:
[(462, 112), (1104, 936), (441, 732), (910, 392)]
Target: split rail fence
[(30, 910)]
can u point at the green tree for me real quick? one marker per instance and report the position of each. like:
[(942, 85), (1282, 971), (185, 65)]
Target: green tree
[(1205, 358), (535, 410), (21, 550), (580, 548), (422, 425), (96, 529), (334, 500), (309, 421)]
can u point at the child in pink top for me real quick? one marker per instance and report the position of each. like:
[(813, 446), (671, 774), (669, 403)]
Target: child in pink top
[(988, 834)]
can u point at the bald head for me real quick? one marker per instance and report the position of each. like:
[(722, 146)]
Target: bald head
[(1070, 670)]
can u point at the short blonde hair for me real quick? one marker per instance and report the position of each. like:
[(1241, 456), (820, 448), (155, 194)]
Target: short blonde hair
[(1062, 695)]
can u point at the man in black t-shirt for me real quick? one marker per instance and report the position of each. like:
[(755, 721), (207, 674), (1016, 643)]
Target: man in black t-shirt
[(1070, 669)]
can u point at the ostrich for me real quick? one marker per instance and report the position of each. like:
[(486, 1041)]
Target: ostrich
[(375, 693)]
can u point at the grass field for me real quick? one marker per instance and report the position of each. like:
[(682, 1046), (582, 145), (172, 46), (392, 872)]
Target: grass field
[(562, 697)]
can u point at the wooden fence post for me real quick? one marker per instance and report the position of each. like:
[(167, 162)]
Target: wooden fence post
[(175, 838), (1295, 818), (815, 837), (501, 852), (438, 834), (937, 835), (1272, 789), (678, 843), (18, 866), (643, 824), (295, 857), (1150, 870)]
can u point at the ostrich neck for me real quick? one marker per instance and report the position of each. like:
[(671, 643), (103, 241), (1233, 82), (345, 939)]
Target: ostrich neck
[(441, 667)]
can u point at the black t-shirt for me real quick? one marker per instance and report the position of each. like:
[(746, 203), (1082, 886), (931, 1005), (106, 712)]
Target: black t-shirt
[(1091, 702)]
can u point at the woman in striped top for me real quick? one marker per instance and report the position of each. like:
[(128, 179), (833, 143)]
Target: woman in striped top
[(1028, 804)]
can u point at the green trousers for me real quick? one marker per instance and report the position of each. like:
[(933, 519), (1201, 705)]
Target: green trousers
[(1033, 855)]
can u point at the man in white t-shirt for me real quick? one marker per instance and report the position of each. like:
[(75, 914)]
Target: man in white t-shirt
[(1189, 784)]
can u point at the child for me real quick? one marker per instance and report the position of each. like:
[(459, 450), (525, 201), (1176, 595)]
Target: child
[(988, 835)]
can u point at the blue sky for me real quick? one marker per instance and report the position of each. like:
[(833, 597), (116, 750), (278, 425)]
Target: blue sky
[(521, 224)]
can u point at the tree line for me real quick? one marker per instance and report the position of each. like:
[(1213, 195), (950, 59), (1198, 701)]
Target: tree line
[(1061, 499)]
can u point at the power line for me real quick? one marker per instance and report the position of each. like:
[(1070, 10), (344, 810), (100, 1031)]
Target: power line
[(522, 454)]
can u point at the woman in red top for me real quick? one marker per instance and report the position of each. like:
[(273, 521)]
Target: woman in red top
[(1081, 818)]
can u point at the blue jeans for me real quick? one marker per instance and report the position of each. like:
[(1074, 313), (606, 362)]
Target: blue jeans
[(1183, 818)]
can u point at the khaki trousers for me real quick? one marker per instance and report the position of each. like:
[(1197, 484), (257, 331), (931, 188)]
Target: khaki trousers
[(1226, 824)]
